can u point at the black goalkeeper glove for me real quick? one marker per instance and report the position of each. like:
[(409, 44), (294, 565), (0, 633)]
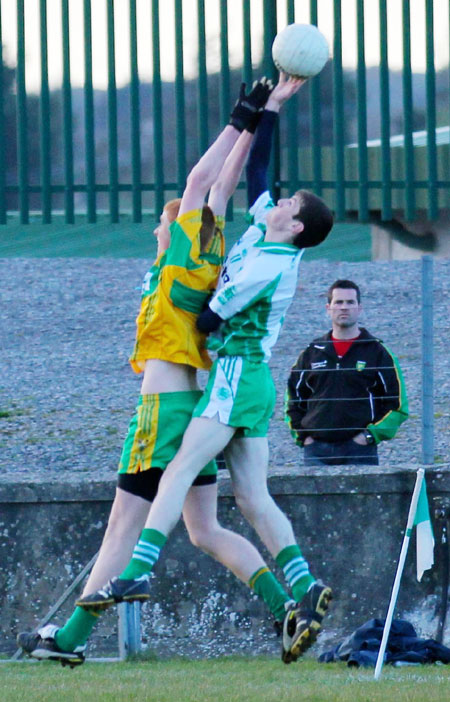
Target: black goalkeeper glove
[(249, 108)]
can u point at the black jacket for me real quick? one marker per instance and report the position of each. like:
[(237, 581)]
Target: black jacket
[(333, 399), (362, 647)]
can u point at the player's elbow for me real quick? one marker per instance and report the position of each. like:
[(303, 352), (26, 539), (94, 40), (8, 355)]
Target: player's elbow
[(198, 180)]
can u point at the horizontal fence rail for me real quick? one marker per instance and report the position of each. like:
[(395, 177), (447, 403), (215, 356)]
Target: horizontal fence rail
[(368, 136)]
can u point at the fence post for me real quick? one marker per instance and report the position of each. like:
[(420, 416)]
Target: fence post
[(427, 361), (129, 629)]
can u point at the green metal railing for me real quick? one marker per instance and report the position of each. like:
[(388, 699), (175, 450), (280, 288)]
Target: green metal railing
[(355, 178)]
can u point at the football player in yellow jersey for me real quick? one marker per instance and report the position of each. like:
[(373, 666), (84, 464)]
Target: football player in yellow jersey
[(168, 350), (176, 289), (259, 280)]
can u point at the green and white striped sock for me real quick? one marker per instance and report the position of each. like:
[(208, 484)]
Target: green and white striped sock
[(145, 554), (296, 571)]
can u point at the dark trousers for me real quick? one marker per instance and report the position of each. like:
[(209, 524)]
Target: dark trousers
[(340, 453), (220, 460)]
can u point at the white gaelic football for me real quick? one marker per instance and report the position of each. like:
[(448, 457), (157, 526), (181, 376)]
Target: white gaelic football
[(300, 50)]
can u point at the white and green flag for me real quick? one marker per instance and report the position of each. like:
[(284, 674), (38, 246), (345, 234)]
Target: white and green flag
[(424, 534), (418, 516)]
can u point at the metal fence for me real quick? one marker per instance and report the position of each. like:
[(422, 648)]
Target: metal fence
[(81, 148)]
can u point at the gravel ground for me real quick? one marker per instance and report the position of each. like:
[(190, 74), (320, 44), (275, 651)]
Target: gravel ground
[(67, 328)]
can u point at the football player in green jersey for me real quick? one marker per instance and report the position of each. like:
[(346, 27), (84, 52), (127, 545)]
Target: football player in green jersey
[(247, 311)]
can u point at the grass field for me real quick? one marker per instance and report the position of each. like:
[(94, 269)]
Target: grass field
[(220, 680), (347, 242)]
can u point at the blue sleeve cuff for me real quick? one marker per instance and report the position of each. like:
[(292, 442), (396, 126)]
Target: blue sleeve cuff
[(208, 321)]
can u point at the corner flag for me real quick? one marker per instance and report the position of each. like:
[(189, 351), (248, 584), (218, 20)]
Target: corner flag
[(419, 515), (424, 534)]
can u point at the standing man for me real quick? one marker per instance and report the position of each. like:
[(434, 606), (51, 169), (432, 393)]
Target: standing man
[(346, 391), (257, 285)]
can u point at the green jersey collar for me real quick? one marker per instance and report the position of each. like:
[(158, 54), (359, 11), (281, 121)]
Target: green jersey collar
[(277, 247)]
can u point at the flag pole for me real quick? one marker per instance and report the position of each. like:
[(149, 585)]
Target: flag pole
[(398, 575)]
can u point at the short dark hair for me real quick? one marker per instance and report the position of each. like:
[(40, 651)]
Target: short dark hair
[(344, 285), (316, 217)]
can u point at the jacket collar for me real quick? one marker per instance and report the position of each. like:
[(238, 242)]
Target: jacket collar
[(328, 348)]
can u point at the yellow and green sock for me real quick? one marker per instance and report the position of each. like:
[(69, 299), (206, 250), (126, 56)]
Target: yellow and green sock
[(265, 584)]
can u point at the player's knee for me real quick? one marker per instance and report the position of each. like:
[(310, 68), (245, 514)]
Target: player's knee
[(252, 506), (197, 179), (115, 527), (203, 537), (195, 537)]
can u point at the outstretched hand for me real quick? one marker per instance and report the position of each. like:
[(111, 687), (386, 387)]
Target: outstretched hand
[(257, 97), (248, 107), (286, 87)]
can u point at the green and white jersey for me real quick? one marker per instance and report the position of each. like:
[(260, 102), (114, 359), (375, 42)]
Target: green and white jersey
[(257, 285), (257, 215)]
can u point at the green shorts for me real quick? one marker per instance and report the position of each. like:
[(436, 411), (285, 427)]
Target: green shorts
[(156, 431), (240, 394)]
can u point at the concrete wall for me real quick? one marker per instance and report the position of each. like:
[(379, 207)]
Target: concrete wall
[(349, 522)]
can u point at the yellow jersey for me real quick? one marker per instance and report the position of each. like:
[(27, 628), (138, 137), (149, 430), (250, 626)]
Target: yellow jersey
[(174, 292)]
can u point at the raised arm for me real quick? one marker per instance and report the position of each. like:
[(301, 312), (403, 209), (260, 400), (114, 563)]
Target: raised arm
[(230, 174), (246, 110), (258, 162), (206, 171)]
